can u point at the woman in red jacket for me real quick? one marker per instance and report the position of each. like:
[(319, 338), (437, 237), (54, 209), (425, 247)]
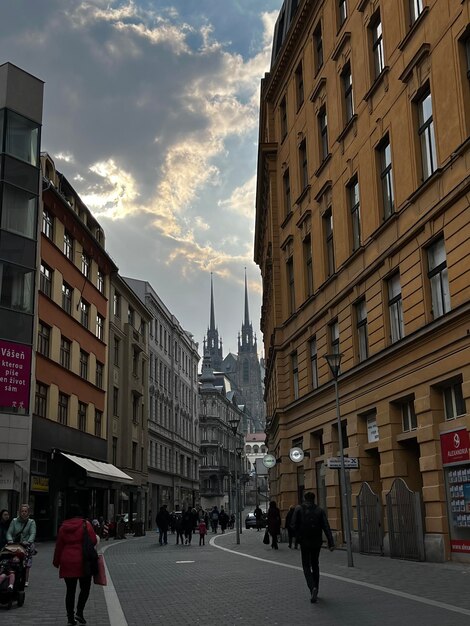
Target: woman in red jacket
[(68, 557)]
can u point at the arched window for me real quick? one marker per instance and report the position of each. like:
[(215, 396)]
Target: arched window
[(248, 449), (263, 449), (255, 449)]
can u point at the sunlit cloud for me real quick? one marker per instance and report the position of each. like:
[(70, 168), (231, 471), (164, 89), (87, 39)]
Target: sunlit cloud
[(114, 196)]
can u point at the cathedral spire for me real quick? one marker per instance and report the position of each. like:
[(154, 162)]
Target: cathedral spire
[(212, 342), (212, 320), (247, 315)]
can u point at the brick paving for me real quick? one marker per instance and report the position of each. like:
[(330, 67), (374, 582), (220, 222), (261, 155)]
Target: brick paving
[(156, 586)]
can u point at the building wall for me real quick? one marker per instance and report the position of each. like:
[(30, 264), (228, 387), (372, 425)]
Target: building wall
[(432, 354)]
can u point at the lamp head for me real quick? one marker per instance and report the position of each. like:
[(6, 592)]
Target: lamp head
[(233, 423), (334, 361)]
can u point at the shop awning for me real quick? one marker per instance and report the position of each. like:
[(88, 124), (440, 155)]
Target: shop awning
[(99, 469)]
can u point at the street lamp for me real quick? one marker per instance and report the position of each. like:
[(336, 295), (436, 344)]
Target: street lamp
[(239, 451), (233, 423), (334, 361)]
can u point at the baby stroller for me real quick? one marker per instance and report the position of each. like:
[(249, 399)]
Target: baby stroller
[(12, 561)]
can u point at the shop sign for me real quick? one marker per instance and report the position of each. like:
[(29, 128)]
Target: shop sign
[(15, 375), (372, 429), (460, 545), (455, 446), (40, 483), (269, 461)]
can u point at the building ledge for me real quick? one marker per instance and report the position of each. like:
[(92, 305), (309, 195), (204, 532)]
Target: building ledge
[(377, 82), (322, 165), (347, 128)]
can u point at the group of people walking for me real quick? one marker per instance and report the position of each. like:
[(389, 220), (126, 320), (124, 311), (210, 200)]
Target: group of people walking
[(190, 520)]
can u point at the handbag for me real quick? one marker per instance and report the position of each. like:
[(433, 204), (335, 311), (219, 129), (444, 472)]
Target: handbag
[(266, 537), (90, 556), (100, 577)]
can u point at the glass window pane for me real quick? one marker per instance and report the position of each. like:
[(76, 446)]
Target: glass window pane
[(22, 138), (16, 287), (2, 117), (19, 210)]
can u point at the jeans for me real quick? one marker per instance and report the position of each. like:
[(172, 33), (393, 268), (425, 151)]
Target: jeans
[(71, 584), (163, 535), (310, 553), (274, 540)]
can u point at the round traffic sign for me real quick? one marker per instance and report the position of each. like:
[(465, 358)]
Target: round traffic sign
[(296, 454), (269, 460)]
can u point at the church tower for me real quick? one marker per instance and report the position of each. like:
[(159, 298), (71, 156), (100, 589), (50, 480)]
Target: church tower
[(212, 345)]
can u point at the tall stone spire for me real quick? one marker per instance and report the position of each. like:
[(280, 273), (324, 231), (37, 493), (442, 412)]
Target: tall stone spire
[(247, 315), (212, 343), (246, 343), (212, 319)]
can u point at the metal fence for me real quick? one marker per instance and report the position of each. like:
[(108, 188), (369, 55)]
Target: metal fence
[(405, 522), (370, 521)]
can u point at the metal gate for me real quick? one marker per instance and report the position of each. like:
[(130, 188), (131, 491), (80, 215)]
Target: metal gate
[(405, 522), (369, 521)]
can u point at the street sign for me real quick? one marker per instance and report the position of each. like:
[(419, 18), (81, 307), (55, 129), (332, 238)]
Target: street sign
[(296, 455), (269, 460), (334, 462)]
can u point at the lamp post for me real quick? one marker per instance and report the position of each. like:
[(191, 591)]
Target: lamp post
[(334, 361), (233, 422)]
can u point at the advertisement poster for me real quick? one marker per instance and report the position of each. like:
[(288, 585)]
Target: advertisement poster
[(455, 446), (15, 375)]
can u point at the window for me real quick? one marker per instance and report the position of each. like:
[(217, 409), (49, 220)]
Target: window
[(19, 209), (130, 316), (295, 374), (290, 285), (342, 12), (44, 333), (438, 278), (117, 304), (466, 43), (334, 337), (329, 244), (318, 48), (354, 207), (386, 180), (135, 408), (307, 246), (84, 364), (48, 224), (99, 374), (303, 164), (323, 133), (416, 8), (377, 44), (395, 308), (82, 409), (84, 313), (426, 135), (22, 138), (299, 85), (313, 362), (114, 451), (361, 327), (286, 186), (85, 265), (68, 246), (100, 281), (134, 455), (65, 350), (454, 403), (38, 459), (408, 415), (67, 298), (98, 422), (99, 331), (45, 280), (135, 362), (346, 79), (283, 118), (115, 401), (16, 287), (63, 409), (116, 350), (40, 405)]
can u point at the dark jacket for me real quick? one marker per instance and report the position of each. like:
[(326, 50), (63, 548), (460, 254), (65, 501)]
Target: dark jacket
[(3, 533), (68, 554), (274, 520), (163, 519), (223, 519), (314, 536), (188, 522), (289, 515)]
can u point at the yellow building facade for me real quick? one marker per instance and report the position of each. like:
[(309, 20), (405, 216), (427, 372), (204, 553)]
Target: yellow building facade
[(362, 229)]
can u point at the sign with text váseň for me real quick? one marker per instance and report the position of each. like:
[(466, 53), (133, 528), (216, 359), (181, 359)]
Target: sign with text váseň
[(15, 375)]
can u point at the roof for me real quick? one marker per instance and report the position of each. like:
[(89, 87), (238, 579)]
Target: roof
[(255, 438)]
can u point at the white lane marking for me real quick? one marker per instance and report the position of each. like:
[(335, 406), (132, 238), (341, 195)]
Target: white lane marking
[(115, 612), (359, 583), (184, 561)]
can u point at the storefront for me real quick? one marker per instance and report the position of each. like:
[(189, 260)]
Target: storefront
[(455, 449)]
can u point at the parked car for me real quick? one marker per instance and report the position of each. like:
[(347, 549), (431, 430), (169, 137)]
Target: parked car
[(250, 521)]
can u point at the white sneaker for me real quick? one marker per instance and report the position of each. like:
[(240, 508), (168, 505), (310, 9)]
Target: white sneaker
[(26, 584)]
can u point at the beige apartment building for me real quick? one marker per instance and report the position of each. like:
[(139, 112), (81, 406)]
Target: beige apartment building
[(362, 231)]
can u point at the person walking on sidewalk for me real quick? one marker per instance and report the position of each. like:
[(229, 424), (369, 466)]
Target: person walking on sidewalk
[(163, 522), (68, 557), (23, 530), (202, 532), (274, 523), (258, 513), (308, 523), (4, 525), (223, 519), (188, 526), (287, 526)]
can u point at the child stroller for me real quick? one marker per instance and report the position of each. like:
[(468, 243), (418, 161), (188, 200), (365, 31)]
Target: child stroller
[(13, 560)]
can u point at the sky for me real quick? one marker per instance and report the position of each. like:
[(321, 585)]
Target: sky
[(151, 112)]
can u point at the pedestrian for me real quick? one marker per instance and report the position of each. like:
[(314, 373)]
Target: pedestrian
[(179, 528), (214, 519), (232, 521), (308, 523), (287, 526), (68, 557), (163, 522), (23, 530), (202, 532), (187, 526), (223, 519), (274, 524), (4, 525), (258, 513)]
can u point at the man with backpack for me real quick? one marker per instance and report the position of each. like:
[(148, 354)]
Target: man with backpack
[(308, 523)]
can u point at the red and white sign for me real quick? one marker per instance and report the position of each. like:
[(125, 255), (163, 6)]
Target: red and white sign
[(460, 545), (455, 446), (15, 375)]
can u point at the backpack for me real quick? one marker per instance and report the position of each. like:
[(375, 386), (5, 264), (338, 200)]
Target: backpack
[(310, 523), (215, 516)]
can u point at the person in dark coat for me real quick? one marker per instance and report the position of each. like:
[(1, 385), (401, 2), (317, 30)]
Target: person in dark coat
[(308, 523), (4, 525), (163, 522), (188, 526), (290, 531), (223, 519), (274, 523), (68, 557), (258, 513)]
